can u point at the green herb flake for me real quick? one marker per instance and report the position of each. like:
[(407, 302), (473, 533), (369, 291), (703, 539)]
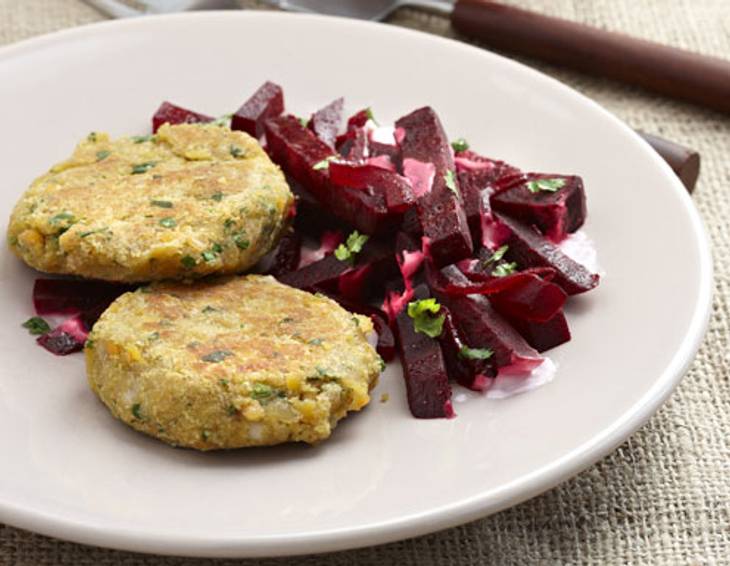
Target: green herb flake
[(36, 326), (89, 344), (217, 356), (499, 254), (168, 222), (142, 139), (460, 144), (315, 342), (241, 241), (475, 353), (261, 391), (217, 248), (303, 121), (382, 365), (547, 185), (504, 269), (229, 223), (324, 164), (103, 154), (90, 232), (422, 312), (450, 180), (143, 167), (352, 246), (231, 410), (204, 435), (62, 217), (208, 256), (223, 382), (162, 203), (208, 309), (137, 411), (370, 115), (236, 151), (217, 197), (224, 120), (92, 137), (188, 262)]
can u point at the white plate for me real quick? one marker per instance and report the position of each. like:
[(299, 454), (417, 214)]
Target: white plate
[(69, 470)]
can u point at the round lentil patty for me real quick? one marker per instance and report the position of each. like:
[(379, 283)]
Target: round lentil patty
[(232, 362), (192, 200)]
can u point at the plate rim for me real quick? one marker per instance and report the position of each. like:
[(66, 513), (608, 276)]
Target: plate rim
[(444, 516)]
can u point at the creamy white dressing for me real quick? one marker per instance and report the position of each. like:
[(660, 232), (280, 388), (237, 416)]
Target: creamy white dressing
[(579, 247), (504, 386)]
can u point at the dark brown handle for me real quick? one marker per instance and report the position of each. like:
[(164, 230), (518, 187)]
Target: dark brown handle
[(685, 162), (667, 70)]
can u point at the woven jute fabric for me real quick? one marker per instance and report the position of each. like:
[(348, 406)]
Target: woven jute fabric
[(661, 498)]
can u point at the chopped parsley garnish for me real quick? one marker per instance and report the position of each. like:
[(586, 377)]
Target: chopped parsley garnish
[(217, 248), (137, 411), (450, 180), (208, 308), (204, 435), (62, 216), (224, 120), (90, 232), (352, 246), (143, 167), (382, 365), (316, 342), (162, 203), (236, 151), (168, 222), (89, 344), (475, 353), (303, 121), (208, 255), (422, 312), (217, 356), (460, 144), (229, 223), (547, 185), (261, 391), (505, 268), (188, 261), (217, 197), (231, 410), (324, 164), (92, 137), (103, 154), (142, 139), (36, 326), (498, 255), (370, 115), (241, 241)]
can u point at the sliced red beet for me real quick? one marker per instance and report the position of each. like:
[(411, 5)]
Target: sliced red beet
[(327, 121), (476, 175), (328, 242), (311, 218), (471, 373), (353, 145), (440, 210), (532, 298), (70, 296), (305, 158), (374, 265), (267, 102), (554, 203), (395, 188), (359, 119), (288, 254), (169, 113), (409, 259), (529, 248), (542, 335), (424, 369), (70, 336), (481, 325)]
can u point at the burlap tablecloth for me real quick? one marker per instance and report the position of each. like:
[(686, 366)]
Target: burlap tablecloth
[(661, 498)]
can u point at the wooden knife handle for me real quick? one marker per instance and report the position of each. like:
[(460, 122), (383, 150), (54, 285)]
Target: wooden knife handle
[(673, 72), (685, 162)]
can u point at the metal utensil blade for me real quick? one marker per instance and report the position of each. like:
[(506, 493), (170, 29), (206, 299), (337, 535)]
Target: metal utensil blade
[(362, 9)]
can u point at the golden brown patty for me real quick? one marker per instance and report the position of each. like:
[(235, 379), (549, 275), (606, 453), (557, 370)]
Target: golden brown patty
[(189, 201), (242, 361)]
